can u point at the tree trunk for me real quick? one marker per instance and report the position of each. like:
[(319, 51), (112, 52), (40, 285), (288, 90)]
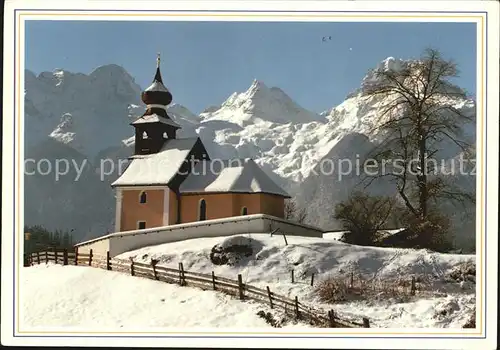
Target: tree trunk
[(422, 177)]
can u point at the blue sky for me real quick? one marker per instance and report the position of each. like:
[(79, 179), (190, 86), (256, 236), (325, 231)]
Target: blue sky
[(204, 62)]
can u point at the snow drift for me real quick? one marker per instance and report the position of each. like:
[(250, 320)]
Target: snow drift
[(269, 262)]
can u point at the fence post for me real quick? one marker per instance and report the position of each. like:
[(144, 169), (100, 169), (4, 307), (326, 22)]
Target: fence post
[(108, 261), (413, 287), (213, 280), (366, 322), (55, 255), (351, 282), (76, 256), (331, 319), (90, 257), (284, 237), (293, 280), (270, 296), (240, 287), (153, 265), (312, 279), (182, 278), (132, 266), (297, 313), (37, 257), (273, 231), (65, 256), (46, 257)]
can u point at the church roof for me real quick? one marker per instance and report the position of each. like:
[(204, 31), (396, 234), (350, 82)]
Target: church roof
[(235, 175), (157, 86), (155, 118), (157, 168), (157, 93)]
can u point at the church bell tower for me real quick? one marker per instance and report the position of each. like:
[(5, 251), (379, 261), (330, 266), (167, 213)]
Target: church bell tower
[(155, 126)]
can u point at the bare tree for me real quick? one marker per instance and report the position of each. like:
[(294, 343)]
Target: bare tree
[(418, 115), (294, 212), (363, 216)]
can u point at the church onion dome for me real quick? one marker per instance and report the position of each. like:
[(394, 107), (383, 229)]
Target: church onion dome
[(155, 118), (157, 93)]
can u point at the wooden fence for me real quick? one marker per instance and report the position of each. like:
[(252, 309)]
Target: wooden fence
[(237, 288)]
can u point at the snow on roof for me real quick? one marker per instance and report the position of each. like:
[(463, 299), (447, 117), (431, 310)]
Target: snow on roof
[(337, 235), (157, 86), (155, 118), (394, 231), (158, 168), (129, 141), (235, 175), (388, 233)]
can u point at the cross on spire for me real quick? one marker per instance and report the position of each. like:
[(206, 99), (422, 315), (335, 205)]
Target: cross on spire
[(157, 93), (158, 74)]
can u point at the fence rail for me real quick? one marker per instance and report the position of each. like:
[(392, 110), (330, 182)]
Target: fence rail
[(153, 270)]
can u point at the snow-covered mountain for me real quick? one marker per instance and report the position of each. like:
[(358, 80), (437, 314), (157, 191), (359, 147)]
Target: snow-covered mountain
[(88, 110), (91, 114), (260, 104)]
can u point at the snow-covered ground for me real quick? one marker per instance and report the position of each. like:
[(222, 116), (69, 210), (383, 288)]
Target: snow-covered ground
[(93, 299), (445, 304), (84, 297)]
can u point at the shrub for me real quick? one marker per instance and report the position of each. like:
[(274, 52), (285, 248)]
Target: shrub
[(332, 291), (363, 216), (294, 212), (270, 319), (431, 232), (471, 322), (345, 288), (464, 272)]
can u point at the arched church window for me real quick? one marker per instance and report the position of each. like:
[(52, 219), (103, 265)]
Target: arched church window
[(244, 211), (144, 135), (165, 136), (143, 197), (202, 212)]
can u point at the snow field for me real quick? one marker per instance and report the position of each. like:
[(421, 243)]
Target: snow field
[(272, 262), (93, 299)]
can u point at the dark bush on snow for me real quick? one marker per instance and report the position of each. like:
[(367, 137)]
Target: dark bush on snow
[(471, 322), (232, 250)]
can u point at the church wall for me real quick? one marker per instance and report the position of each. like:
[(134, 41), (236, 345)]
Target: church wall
[(121, 242), (134, 211), (259, 203), (219, 205), (172, 212), (224, 205), (272, 205), (249, 200)]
